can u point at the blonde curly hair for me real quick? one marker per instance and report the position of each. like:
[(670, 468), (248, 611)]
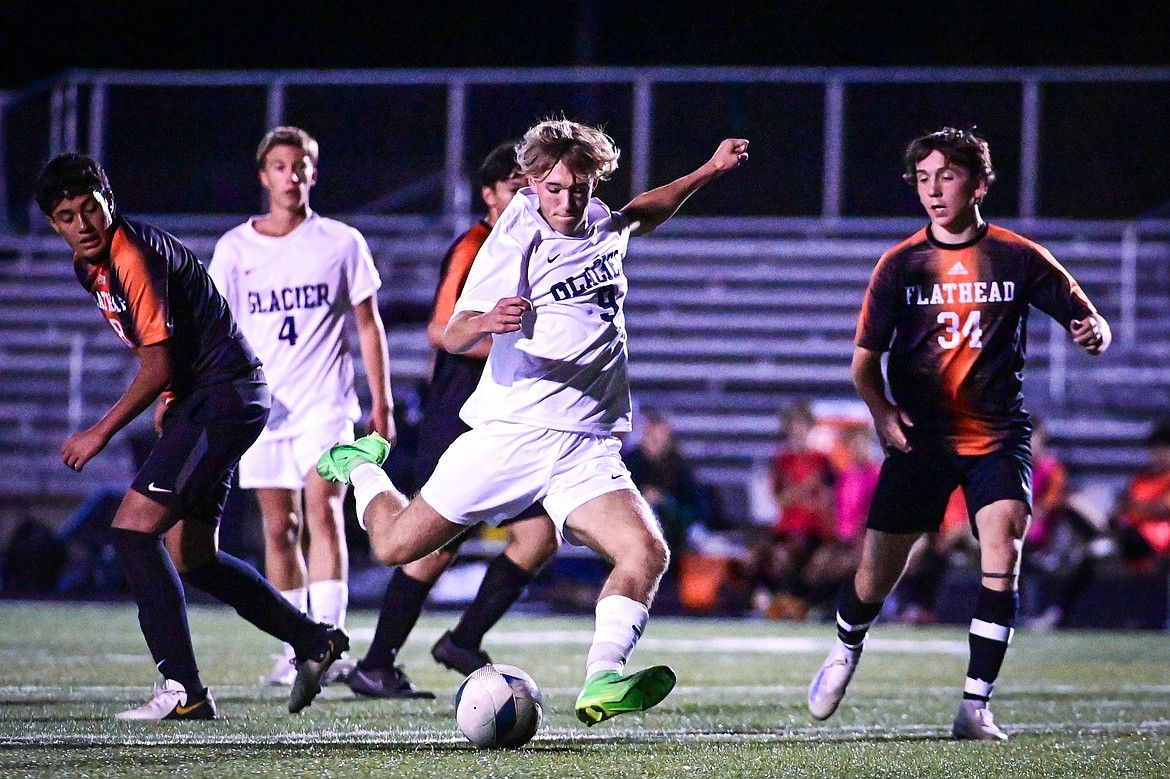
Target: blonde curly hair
[(586, 151)]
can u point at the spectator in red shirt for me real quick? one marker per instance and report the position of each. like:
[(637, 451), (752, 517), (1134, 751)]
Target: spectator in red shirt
[(1144, 507), (803, 484)]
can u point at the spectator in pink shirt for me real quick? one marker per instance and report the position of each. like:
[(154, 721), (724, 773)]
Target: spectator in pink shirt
[(856, 483)]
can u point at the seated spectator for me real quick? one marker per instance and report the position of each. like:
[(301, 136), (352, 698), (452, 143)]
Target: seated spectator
[(834, 562), (666, 480), (1049, 489), (803, 484), (1143, 512), (856, 483), (1057, 564)]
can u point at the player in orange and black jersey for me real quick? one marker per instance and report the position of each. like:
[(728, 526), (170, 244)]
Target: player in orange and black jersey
[(953, 318), (533, 538), (950, 307), (213, 402)]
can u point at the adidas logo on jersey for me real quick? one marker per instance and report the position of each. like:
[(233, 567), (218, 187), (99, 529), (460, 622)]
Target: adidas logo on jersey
[(957, 270)]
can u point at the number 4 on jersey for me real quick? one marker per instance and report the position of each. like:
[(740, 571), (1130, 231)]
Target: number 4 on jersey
[(954, 334), (288, 331)]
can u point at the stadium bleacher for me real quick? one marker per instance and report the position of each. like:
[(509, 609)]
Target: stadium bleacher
[(724, 329)]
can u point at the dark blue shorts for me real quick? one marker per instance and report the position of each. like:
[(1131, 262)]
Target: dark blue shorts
[(914, 487), (190, 467)]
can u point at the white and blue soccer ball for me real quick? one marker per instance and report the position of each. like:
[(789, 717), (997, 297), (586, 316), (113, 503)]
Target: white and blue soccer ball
[(498, 707)]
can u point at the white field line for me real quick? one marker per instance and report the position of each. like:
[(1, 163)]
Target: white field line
[(582, 638), (44, 657), (561, 736), (758, 645), (1100, 696)]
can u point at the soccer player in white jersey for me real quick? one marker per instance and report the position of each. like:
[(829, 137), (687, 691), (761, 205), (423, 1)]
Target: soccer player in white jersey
[(548, 288), (292, 278)]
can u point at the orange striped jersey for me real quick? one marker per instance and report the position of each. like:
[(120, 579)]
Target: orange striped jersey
[(153, 290), (954, 319), (453, 272), (452, 276)]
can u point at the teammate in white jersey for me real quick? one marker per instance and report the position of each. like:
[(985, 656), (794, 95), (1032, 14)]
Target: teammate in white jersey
[(292, 279), (548, 287)]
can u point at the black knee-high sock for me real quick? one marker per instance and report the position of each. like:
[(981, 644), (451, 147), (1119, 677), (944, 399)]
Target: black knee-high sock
[(401, 605), (991, 631), (503, 584), (241, 586), (854, 616), (162, 609)]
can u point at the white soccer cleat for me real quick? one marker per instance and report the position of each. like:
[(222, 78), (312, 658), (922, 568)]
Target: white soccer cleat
[(170, 702), (283, 672), (828, 686), (974, 721)]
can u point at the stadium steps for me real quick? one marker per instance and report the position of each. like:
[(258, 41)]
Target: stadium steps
[(724, 330)]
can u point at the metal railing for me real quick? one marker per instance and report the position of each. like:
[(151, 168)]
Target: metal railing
[(79, 105)]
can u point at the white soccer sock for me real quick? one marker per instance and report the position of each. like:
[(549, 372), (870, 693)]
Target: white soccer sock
[(368, 482), (299, 598), (329, 600), (620, 622)]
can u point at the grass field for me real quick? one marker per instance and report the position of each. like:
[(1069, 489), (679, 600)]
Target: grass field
[(1076, 705)]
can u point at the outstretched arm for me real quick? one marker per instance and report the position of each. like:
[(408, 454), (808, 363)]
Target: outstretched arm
[(652, 208)]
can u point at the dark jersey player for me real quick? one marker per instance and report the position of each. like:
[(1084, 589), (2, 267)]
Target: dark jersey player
[(533, 539), (950, 306), (213, 403)]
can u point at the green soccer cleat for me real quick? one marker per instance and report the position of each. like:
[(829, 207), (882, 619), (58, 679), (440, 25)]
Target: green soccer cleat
[(609, 694), (336, 464)]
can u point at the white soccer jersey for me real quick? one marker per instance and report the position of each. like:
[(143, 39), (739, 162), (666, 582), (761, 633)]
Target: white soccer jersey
[(566, 368), (291, 296)]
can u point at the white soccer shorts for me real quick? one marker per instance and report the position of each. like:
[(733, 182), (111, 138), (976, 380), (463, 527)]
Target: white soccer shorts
[(283, 463), (495, 471)]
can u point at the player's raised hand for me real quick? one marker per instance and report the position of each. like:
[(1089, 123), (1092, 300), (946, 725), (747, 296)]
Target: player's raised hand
[(505, 317), (1091, 334), (732, 153)]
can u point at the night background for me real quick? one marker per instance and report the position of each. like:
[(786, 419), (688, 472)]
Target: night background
[(383, 147), (386, 142), (44, 38)]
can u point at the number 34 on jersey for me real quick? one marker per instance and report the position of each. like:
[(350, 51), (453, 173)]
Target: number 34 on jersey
[(958, 330)]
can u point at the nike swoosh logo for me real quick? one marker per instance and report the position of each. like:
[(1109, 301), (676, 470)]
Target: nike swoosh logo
[(553, 258), (181, 709), (153, 488), (616, 476)]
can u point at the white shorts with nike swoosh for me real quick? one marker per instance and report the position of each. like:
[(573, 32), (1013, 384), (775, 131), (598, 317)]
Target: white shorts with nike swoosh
[(495, 471)]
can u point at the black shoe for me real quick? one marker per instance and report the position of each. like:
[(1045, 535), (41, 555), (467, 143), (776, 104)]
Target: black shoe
[(458, 658), (310, 670), (389, 682)]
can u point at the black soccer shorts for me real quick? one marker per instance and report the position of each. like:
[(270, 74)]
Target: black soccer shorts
[(914, 487), (190, 467)]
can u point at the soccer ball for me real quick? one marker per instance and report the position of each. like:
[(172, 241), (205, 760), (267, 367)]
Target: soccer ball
[(498, 707)]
